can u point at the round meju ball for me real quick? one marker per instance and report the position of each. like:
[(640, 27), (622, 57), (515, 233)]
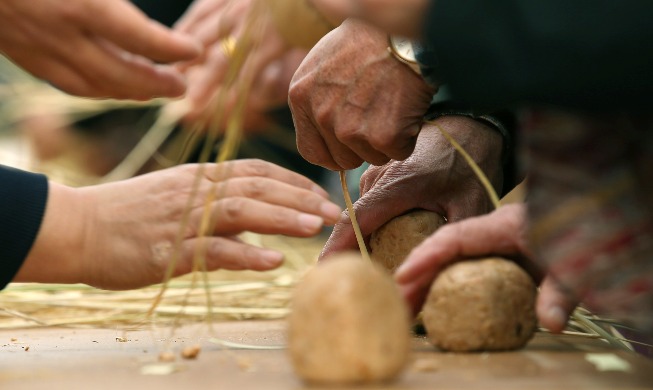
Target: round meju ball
[(392, 242), (348, 324), (481, 305)]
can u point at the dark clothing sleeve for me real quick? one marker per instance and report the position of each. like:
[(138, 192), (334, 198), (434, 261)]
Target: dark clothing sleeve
[(587, 54), (23, 197)]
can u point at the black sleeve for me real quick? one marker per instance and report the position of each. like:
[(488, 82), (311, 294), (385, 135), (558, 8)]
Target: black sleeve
[(23, 197), (588, 54)]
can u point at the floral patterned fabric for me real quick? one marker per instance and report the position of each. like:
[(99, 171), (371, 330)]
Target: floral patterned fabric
[(591, 208)]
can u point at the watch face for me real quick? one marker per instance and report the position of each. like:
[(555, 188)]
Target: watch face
[(403, 47)]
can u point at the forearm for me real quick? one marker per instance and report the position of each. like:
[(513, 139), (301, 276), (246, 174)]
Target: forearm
[(56, 252)]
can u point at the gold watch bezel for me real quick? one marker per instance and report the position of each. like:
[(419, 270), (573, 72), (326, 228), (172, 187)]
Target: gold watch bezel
[(393, 43)]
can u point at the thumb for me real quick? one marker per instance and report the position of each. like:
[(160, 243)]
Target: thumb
[(554, 305)]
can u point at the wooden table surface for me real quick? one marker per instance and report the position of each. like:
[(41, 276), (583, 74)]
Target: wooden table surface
[(98, 359)]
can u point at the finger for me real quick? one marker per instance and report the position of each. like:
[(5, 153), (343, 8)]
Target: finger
[(270, 47), (197, 13), (415, 293), (207, 77), (340, 152), (281, 194), (121, 74), (231, 216), (274, 82), (372, 139), (367, 152), (316, 139), (310, 144), (554, 305), (341, 239), (396, 145), (128, 28), (63, 77), (223, 23), (261, 169), (373, 210), (227, 253), (499, 233)]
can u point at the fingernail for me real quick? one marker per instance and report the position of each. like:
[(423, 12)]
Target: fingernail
[(272, 258), (309, 222), (556, 316), (330, 211)]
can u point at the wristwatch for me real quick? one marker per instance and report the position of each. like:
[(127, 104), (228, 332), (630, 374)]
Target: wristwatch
[(402, 49)]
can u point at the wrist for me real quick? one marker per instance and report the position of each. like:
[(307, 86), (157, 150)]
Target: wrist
[(57, 253)]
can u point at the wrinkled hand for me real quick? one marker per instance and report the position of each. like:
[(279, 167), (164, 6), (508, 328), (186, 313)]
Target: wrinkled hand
[(434, 177), (122, 235), (272, 63), (352, 101), (94, 48), (502, 233)]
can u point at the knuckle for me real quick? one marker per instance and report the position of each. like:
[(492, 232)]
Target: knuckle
[(295, 94), (232, 209), (256, 167), (323, 117), (256, 189), (349, 134), (250, 255), (282, 218)]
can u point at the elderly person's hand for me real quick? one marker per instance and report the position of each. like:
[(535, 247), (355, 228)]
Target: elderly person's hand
[(94, 48), (434, 177), (502, 233), (124, 235), (352, 101)]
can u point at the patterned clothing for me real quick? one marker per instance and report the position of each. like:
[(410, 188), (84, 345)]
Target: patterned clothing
[(591, 208)]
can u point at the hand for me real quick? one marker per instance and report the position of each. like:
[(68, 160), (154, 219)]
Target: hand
[(434, 178), (272, 63), (502, 233), (352, 101), (122, 235), (94, 48)]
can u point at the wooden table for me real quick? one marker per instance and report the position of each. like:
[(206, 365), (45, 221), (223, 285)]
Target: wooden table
[(112, 359)]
